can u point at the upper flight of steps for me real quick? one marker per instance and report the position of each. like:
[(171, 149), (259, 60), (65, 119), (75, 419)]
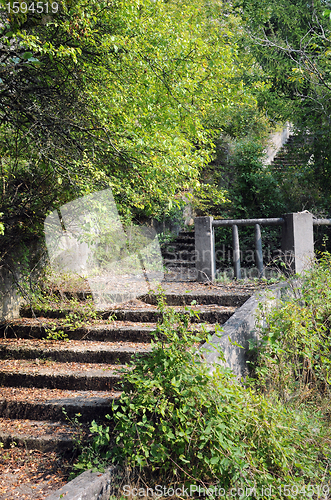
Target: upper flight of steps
[(179, 257), (295, 152), (39, 378)]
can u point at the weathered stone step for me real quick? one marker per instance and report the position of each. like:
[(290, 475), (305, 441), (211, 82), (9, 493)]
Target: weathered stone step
[(176, 246), (180, 274), (141, 314), (186, 233), (54, 375), (78, 295), (287, 162), (104, 332), (289, 155), (185, 239), (71, 351), (38, 435), (179, 255), (38, 378), (176, 299), (32, 328), (178, 263), (206, 313), (48, 404)]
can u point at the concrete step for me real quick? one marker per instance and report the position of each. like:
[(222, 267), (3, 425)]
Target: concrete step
[(287, 163), (141, 314), (39, 435), (179, 255), (71, 351), (207, 313), (180, 274), (185, 234), (54, 375), (38, 378), (80, 295), (104, 332), (178, 263), (178, 247), (48, 404), (292, 154), (175, 299), (140, 335), (185, 239), (288, 158)]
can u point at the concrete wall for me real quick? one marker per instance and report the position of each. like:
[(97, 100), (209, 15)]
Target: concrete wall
[(277, 141), (87, 486), (241, 327)]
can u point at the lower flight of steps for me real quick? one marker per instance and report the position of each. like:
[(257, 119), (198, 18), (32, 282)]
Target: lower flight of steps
[(45, 382), (179, 257)]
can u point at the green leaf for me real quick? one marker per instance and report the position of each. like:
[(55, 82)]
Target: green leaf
[(27, 55)]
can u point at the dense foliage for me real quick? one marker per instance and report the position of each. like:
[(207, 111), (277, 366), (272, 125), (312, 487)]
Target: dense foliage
[(294, 355), (126, 95), (179, 423), (163, 102), (291, 41)]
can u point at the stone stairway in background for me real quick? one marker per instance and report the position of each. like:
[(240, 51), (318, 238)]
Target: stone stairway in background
[(179, 257), (45, 382), (295, 152)]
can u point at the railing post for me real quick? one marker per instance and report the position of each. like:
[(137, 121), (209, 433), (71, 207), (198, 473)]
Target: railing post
[(258, 251), (204, 248), (236, 252), (298, 241)]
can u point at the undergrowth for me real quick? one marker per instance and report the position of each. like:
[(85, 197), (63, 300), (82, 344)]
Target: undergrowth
[(180, 423), (293, 356)]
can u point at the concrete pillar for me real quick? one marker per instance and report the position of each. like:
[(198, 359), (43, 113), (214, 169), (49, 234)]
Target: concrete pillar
[(204, 249), (298, 241)]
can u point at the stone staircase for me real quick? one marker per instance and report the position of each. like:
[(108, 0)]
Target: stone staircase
[(295, 152), (179, 257), (45, 382)]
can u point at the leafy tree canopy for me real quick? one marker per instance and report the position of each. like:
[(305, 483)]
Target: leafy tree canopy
[(126, 94), (292, 42)]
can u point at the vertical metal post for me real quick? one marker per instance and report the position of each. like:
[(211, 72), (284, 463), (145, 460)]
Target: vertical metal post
[(258, 251), (236, 252), (204, 249)]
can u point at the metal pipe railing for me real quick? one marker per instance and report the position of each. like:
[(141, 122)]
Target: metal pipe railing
[(248, 222), (297, 241), (257, 223), (321, 222), (258, 251)]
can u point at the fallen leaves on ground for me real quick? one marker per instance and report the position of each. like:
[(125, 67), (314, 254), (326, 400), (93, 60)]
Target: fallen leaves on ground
[(30, 474)]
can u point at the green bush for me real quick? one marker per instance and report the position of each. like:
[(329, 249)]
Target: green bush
[(294, 355), (179, 420)]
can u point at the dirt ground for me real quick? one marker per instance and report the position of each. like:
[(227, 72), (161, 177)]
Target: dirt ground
[(30, 474)]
